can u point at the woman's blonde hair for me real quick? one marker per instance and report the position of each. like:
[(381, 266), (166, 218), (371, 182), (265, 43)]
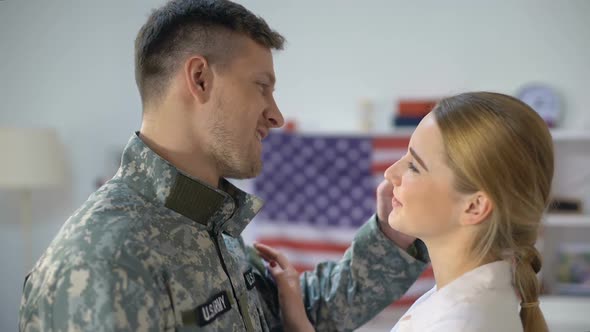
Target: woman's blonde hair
[(497, 144)]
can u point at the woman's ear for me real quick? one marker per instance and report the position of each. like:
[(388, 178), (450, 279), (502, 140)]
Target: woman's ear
[(198, 78), (477, 209)]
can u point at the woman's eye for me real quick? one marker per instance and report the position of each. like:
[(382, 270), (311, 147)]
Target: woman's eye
[(412, 167)]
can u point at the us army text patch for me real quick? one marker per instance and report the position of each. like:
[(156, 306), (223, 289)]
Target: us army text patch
[(250, 279), (214, 308)]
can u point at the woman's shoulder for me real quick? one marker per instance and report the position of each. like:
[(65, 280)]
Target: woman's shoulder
[(488, 310), (485, 310), (480, 300), (493, 311)]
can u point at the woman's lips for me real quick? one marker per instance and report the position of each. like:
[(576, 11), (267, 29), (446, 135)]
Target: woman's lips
[(395, 203)]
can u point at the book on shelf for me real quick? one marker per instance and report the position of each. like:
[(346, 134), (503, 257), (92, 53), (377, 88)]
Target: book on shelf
[(573, 269)]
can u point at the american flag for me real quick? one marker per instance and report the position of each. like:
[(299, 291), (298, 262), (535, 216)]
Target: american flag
[(319, 190)]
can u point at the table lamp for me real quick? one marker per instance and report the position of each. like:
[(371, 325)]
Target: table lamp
[(30, 159)]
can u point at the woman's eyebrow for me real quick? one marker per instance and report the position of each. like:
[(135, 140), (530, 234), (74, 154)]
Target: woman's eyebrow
[(418, 159)]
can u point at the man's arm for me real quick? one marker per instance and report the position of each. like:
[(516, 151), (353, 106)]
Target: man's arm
[(374, 272), (91, 297), (378, 268)]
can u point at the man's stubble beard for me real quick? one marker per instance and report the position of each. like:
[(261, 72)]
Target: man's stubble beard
[(230, 158)]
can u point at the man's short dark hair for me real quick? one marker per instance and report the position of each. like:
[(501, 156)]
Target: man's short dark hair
[(181, 28)]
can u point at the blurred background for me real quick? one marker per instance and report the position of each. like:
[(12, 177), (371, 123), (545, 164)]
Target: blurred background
[(355, 75)]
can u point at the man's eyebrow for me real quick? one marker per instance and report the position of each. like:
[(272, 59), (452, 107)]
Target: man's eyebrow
[(270, 77), (418, 159)]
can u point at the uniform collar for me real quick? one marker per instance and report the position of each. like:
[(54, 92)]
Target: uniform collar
[(224, 209)]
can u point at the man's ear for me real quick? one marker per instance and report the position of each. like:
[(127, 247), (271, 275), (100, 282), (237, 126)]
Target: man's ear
[(198, 77), (478, 207)]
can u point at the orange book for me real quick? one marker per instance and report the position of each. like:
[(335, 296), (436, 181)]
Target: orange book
[(415, 108)]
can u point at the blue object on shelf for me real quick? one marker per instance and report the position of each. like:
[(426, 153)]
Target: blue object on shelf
[(400, 121)]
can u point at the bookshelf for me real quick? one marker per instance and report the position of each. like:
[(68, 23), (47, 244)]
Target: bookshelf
[(567, 235), (563, 135), (567, 220)]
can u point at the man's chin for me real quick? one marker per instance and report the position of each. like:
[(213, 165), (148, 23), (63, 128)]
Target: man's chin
[(249, 173), (253, 173)]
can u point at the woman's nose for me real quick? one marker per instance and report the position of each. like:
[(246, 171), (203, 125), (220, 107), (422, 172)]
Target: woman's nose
[(391, 174)]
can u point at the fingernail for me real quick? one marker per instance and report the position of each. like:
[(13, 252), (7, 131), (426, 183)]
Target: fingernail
[(273, 264)]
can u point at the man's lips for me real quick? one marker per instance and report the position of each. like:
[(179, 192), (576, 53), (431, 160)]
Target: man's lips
[(261, 133)]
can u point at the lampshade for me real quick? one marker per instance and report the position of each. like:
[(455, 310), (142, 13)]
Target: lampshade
[(30, 158)]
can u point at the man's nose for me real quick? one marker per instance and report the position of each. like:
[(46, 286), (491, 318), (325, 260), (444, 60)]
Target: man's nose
[(274, 116)]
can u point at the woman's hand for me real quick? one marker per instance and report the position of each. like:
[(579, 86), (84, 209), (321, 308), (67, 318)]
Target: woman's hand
[(290, 298)]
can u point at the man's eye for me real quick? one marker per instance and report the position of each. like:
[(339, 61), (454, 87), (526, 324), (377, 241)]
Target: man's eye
[(262, 86)]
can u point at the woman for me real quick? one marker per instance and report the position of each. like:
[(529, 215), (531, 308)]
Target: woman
[(473, 187)]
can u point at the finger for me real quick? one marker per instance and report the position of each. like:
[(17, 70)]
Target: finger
[(266, 252), (273, 267), (385, 188), (271, 254), (286, 280), (276, 270)]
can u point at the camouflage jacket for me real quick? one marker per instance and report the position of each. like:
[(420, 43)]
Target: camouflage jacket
[(156, 250)]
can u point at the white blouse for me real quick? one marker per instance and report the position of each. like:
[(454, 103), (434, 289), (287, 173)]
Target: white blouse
[(480, 300)]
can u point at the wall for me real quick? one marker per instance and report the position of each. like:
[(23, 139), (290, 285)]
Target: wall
[(69, 64)]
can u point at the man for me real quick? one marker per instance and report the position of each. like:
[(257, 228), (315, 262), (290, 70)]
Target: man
[(158, 247)]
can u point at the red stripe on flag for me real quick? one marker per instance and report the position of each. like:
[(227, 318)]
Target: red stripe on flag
[(381, 167), (304, 246), (303, 267), (391, 142), (428, 273), (405, 301)]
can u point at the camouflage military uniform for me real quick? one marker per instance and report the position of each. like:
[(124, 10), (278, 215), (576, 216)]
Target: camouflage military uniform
[(154, 250)]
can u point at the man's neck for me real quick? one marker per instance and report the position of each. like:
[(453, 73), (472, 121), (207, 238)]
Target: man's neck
[(179, 151)]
